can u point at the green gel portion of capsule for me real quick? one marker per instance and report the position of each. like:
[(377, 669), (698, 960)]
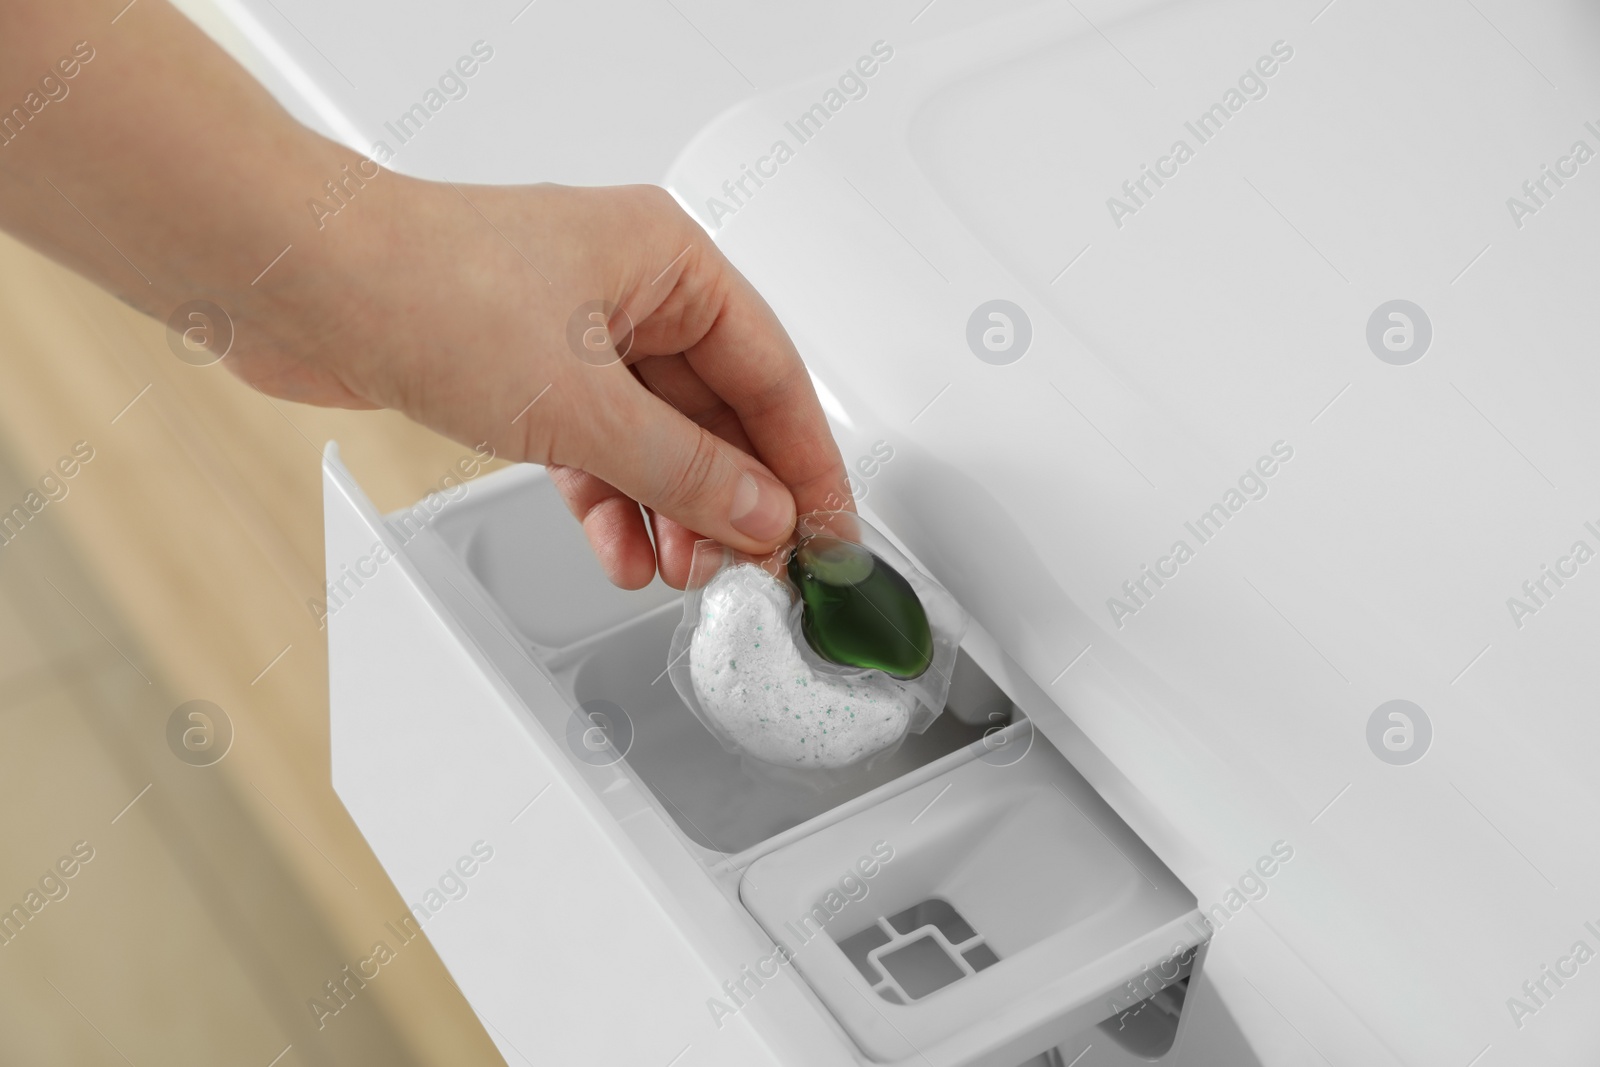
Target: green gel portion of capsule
[(858, 611)]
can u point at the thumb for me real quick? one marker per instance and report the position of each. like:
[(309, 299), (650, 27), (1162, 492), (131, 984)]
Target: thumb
[(681, 470)]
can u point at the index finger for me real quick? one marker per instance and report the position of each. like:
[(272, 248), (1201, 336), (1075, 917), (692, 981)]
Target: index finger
[(747, 358)]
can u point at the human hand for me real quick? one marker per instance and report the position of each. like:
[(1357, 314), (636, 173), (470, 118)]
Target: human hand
[(456, 305)]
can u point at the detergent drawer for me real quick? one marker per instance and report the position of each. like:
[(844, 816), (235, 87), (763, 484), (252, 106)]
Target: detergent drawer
[(973, 902)]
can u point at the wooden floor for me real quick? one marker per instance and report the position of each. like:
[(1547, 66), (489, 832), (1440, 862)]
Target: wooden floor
[(176, 567)]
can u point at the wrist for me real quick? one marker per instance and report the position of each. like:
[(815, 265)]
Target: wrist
[(304, 277)]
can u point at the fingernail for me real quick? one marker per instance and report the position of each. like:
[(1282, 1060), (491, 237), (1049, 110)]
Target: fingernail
[(762, 508)]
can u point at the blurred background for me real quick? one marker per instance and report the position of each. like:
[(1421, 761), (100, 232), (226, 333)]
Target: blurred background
[(219, 898)]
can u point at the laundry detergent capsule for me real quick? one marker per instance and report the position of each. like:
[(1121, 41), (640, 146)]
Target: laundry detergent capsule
[(821, 658), (750, 677)]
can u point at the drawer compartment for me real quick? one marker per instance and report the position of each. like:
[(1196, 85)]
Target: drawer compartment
[(1001, 895), (605, 650)]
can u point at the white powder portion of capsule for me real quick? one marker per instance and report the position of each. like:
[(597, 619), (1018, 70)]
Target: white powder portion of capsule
[(750, 678)]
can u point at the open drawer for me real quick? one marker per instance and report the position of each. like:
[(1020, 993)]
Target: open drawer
[(971, 902)]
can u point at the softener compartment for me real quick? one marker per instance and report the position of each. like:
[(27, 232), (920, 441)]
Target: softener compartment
[(1002, 896)]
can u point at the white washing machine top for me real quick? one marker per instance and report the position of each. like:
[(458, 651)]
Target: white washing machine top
[(1234, 363)]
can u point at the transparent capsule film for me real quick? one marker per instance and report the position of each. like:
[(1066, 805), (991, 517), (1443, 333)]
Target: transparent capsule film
[(740, 657)]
